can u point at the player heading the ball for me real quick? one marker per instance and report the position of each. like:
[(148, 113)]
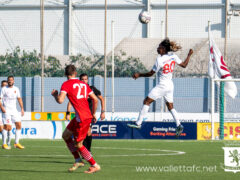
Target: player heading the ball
[(164, 67)]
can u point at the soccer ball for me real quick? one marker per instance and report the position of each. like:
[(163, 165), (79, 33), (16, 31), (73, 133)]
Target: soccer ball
[(144, 17)]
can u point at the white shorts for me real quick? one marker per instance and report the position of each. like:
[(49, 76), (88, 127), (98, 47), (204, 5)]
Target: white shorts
[(162, 90), (10, 118), (1, 123)]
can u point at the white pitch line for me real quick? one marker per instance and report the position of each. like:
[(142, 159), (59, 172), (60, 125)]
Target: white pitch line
[(96, 147), (170, 153), (127, 155), (130, 149)]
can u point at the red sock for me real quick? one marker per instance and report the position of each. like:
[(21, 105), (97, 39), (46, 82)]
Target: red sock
[(87, 155), (72, 148)]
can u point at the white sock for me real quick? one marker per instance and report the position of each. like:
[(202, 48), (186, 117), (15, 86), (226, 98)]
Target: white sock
[(4, 136), (175, 116), (17, 136), (9, 138), (142, 114)]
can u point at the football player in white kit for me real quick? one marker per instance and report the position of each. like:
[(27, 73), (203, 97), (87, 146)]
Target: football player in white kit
[(164, 67), (9, 95), (3, 83)]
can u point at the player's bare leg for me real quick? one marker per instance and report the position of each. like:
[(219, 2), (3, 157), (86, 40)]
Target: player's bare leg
[(6, 129), (88, 140), (17, 136), (174, 113), (67, 137), (146, 103), (88, 157)]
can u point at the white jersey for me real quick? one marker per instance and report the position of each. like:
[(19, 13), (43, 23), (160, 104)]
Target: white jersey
[(164, 67), (9, 98)]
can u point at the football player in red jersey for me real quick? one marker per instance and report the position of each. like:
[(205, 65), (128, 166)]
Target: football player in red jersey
[(78, 93), (88, 141)]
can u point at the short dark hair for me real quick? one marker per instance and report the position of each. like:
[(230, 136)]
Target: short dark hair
[(82, 75), (3, 81), (10, 77), (70, 70)]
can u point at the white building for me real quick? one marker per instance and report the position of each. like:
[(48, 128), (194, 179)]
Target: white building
[(77, 26)]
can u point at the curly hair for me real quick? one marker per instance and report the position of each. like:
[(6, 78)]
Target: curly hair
[(170, 45)]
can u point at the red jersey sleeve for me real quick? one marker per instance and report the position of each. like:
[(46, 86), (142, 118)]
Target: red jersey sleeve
[(64, 88)]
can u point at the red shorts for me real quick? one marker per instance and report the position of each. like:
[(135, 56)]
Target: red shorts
[(79, 129)]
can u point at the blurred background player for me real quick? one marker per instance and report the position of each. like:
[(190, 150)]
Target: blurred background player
[(9, 96), (78, 93), (3, 83), (88, 140), (164, 67)]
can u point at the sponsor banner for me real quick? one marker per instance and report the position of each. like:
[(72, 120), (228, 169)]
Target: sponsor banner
[(48, 116), (107, 130), (231, 131), (159, 117), (41, 129), (160, 130), (127, 116), (132, 116), (111, 130)]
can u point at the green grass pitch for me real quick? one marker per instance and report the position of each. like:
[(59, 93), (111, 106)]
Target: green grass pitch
[(119, 159)]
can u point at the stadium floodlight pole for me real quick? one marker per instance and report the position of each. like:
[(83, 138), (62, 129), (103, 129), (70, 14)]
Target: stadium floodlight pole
[(226, 29), (69, 27), (42, 53), (112, 33), (166, 19), (105, 56), (162, 29), (148, 24)]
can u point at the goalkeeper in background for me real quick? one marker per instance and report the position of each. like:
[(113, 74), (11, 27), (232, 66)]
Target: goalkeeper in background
[(88, 140)]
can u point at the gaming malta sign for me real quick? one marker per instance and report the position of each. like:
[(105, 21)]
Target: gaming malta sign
[(231, 159)]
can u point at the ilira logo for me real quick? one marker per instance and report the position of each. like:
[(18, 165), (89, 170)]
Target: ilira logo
[(231, 159), (26, 131)]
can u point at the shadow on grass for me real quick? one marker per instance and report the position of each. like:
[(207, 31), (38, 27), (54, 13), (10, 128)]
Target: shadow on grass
[(38, 171), (52, 162)]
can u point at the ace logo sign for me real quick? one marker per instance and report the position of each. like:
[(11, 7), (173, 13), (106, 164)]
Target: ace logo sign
[(231, 159)]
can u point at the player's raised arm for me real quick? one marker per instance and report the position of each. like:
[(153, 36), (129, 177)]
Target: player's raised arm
[(185, 63), (148, 74), (58, 97)]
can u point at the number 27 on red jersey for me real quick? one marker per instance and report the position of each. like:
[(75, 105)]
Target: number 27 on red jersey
[(82, 90)]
